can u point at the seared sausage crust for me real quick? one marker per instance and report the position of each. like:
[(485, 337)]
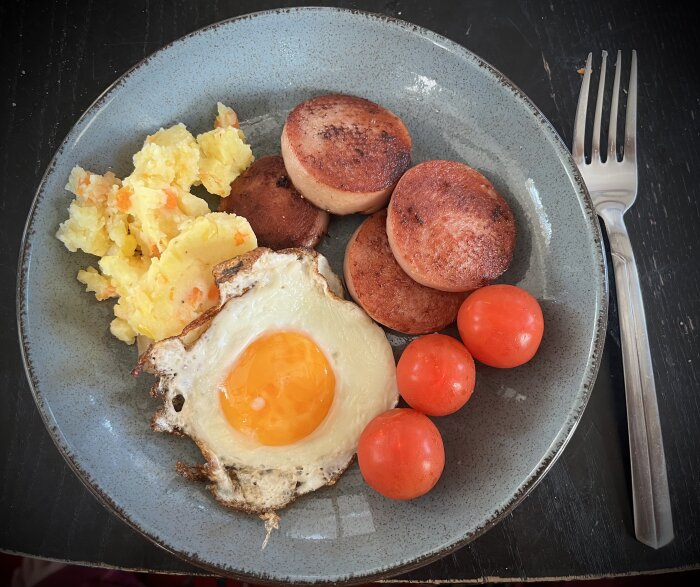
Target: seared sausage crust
[(345, 153), (376, 282), (278, 214), (448, 227)]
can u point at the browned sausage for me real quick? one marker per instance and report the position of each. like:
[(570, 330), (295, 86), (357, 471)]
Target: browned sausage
[(376, 282), (448, 227), (344, 153), (278, 214)]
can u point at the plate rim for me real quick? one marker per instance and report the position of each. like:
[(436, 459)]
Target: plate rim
[(555, 449)]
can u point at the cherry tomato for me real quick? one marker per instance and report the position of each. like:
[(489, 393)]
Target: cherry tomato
[(401, 454), (435, 374), (501, 325)]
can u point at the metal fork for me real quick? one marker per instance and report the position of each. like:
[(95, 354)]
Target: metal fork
[(612, 185)]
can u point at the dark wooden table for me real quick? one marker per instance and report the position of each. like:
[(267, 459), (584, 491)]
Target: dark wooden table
[(58, 56)]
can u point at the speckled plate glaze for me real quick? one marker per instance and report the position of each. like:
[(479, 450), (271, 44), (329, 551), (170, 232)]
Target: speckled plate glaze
[(457, 107)]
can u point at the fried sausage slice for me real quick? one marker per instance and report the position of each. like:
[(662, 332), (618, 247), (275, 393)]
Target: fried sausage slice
[(345, 153), (279, 215), (376, 282), (448, 227)]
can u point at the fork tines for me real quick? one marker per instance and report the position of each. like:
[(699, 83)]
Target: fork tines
[(630, 146)]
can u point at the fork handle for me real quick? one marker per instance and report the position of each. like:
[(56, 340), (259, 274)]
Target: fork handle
[(653, 523)]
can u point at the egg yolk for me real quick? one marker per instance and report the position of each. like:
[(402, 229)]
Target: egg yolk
[(279, 390)]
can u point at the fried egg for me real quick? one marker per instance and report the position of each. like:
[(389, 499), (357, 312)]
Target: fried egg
[(277, 382)]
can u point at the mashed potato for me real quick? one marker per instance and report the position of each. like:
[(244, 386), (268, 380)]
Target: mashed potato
[(168, 157), (179, 286), (224, 157), (92, 215), (131, 224)]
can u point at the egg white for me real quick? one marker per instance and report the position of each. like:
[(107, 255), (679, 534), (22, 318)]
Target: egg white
[(277, 291)]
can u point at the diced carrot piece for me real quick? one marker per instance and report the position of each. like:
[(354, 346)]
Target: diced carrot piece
[(213, 293), (83, 184), (123, 198), (239, 238), (171, 198), (194, 296)]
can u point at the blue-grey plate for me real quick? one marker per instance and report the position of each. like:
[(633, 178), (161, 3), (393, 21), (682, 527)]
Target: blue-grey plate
[(456, 107)]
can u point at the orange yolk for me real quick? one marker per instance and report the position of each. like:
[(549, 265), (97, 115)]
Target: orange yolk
[(279, 390)]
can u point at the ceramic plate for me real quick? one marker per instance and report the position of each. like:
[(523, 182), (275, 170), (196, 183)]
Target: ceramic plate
[(456, 107)]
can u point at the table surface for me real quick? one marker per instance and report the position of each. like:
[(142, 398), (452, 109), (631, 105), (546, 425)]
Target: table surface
[(59, 56)]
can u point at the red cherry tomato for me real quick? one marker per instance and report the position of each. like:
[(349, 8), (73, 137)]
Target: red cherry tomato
[(401, 454), (501, 325), (435, 374)]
